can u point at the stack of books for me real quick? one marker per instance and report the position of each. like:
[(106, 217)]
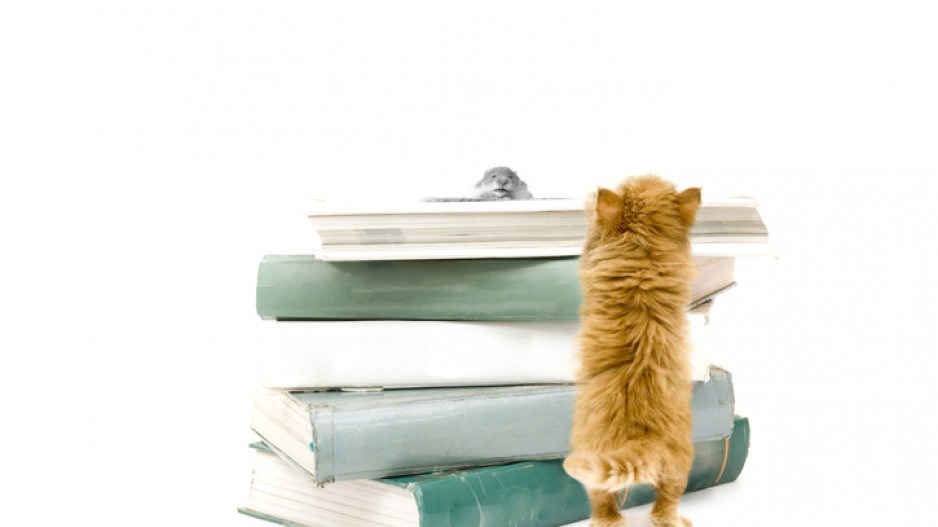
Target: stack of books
[(430, 382)]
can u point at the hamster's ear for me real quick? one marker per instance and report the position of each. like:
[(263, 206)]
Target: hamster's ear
[(688, 202), (608, 208)]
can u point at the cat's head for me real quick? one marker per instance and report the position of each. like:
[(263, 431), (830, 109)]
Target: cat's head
[(645, 210)]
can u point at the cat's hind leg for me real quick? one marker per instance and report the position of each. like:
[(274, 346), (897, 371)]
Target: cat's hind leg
[(604, 510), (664, 512)]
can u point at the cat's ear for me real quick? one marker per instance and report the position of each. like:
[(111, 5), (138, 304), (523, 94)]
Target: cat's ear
[(608, 207), (688, 202)]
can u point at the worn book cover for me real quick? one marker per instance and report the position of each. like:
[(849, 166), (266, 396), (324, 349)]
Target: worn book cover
[(341, 435)]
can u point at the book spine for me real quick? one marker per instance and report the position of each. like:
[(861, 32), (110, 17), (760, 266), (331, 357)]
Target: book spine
[(304, 288), (423, 436), (541, 494)]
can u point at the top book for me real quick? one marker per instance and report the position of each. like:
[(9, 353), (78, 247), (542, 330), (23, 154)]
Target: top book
[(505, 229)]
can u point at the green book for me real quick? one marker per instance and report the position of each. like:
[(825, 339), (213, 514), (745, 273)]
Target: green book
[(345, 435), (534, 493), (305, 288)]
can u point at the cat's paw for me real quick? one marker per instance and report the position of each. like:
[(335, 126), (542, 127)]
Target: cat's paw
[(607, 522), (597, 473), (677, 521)]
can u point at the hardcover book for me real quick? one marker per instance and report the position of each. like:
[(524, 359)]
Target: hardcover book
[(407, 353), (532, 493), (503, 229), (304, 288), (341, 435)]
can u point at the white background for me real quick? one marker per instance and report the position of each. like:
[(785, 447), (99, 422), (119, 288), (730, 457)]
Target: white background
[(151, 153)]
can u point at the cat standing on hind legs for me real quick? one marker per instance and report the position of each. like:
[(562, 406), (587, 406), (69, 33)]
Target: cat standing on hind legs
[(632, 418)]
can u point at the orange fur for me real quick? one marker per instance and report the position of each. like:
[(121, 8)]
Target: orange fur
[(632, 420)]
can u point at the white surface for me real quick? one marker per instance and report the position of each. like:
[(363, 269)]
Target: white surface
[(153, 152)]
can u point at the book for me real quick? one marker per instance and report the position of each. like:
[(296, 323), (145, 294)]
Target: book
[(409, 353), (533, 493), (341, 435), (301, 287), (502, 229)]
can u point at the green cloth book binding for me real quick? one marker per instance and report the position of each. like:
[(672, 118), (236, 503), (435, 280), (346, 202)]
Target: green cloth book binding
[(532, 493), (337, 436), (305, 288)]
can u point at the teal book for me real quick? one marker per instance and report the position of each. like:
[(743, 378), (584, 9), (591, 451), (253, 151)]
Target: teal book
[(343, 435), (306, 288), (529, 494)]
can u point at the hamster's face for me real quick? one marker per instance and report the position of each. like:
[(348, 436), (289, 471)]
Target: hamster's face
[(500, 181)]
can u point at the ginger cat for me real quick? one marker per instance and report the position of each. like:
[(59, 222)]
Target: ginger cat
[(632, 419)]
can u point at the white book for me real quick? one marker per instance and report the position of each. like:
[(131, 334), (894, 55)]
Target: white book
[(505, 229), (400, 353)]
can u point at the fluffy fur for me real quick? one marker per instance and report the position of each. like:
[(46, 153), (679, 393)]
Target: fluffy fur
[(632, 420)]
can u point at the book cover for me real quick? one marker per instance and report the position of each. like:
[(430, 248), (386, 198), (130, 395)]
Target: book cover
[(341, 435), (533, 493), (408, 353), (302, 287)]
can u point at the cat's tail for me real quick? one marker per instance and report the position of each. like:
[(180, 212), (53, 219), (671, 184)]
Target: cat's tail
[(637, 461)]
